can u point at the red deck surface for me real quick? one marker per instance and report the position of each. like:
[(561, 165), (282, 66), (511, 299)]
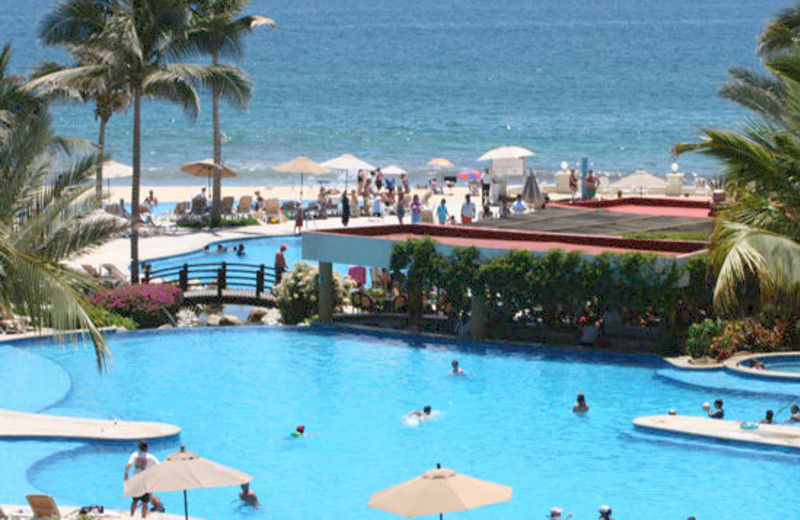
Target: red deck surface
[(665, 207), (663, 211), (524, 245)]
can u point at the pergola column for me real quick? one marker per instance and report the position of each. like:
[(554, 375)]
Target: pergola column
[(414, 300), (478, 315), (325, 292)]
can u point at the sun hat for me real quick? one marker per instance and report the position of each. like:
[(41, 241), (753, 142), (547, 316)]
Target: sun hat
[(556, 511)]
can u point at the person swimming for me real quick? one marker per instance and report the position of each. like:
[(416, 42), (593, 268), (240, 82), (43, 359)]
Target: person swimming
[(580, 406), (222, 249), (768, 418), (424, 414), (300, 431), (247, 495), (717, 412), (795, 417), (240, 250), (457, 370)]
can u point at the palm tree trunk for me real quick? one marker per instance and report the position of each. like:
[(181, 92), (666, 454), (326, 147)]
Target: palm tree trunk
[(101, 146), (216, 207), (137, 177)]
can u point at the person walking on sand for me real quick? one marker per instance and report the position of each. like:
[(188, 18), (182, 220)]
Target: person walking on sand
[(280, 264), (441, 213), (298, 217), (573, 184), (345, 209), (401, 206), (486, 186), (416, 210), (467, 210), (140, 460)]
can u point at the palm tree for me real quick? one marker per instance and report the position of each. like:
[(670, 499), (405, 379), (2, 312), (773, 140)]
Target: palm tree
[(756, 242), (216, 30), (109, 94), (45, 216), (141, 37)]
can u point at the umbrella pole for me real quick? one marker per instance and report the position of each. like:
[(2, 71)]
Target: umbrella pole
[(185, 505)]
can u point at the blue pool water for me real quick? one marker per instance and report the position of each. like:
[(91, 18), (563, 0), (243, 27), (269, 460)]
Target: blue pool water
[(782, 363), (237, 393)]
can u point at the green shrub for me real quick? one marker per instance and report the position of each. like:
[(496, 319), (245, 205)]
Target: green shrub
[(700, 337), (752, 335), (229, 222), (298, 294), (105, 318)]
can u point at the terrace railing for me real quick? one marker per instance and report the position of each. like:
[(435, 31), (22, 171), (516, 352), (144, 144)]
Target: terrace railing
[(220, 282)]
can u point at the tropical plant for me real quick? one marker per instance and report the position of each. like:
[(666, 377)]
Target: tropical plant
[(144, 303), (217, 30), (141, 37), (74, 82), (46, 215), (701, 336), (298, 293), (756, 240)]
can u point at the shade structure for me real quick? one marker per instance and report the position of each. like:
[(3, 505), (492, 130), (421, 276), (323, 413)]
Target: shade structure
[(640, 180), (439, 490), (506, 152), (181, 471), (531, 192), (393, 169), (301, 165), (440, 162), (115, 170), (469, 175), (205, 169), (347, 162)]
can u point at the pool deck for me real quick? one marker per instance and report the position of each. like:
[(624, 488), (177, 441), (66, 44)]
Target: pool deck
[(766, 434), (15, 512), (22, 425)]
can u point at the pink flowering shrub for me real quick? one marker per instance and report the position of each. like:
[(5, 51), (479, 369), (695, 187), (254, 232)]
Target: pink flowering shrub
[(142, 302)]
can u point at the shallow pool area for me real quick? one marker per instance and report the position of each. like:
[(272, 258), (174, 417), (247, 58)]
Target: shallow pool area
[(782, 363), (238, 393)]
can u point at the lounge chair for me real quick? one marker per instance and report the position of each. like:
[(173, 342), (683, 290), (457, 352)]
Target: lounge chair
[(181, 208), (245, 205), (199, 206), (227, 205), (115, 273), (44, 507), (94, 273), (11, 323), (272, 211)]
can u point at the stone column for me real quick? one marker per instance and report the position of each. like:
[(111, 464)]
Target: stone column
[(478, 318), (325, 292)]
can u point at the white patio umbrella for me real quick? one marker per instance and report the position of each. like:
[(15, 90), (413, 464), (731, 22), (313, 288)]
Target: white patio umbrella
[(440, 162), (181, 471), (439, 491), (506, 152), (347, 162), (302, 165), (393, 169), (115, 170), (640, 180)]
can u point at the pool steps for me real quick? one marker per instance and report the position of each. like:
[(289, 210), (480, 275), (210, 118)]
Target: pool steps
[(23, 425), (765, 434)]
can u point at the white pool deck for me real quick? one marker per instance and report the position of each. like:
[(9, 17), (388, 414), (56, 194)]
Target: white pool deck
[(23, 425), (19, 512), (766, 434)]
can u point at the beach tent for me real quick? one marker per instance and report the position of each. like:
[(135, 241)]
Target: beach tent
[(506, 161), (181, 471), (639, 181), (302, 165), (348, 163), (531, 192), (439, 490)]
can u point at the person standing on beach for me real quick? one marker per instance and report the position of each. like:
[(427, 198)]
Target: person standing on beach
[(416, 210), (467, 210), (345, 209), (441, 213), (573, 184), (140, 460), (151, 201), (404, 178), (486, 186), (591, 185), (401, 205), (280, 263), (298, 217)]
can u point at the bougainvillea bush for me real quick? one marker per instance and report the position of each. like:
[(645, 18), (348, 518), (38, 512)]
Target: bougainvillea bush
[(297, 294), (144, 303)]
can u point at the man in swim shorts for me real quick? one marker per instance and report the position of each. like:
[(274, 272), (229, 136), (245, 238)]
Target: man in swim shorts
[(140, 461)]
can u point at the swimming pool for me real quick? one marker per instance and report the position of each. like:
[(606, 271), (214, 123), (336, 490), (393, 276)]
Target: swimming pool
[(237, 393), (782, 363)]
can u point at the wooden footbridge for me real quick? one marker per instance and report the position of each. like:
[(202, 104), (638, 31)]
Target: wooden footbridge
[(222, 282)]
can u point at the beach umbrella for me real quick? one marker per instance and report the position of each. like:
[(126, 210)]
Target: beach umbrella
[(439, 491), (302, 165), (640, 180), (440, 162), (181, 471), (506, 152), (347, 162), (205, 169), (469, 175), (115, 170), (531, 192), (393, 169)]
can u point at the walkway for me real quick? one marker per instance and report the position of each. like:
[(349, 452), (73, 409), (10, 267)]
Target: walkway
[(33, 425), (764, 434), (17, 512)]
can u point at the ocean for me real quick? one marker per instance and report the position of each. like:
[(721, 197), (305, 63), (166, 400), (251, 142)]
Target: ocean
[(401, 82)]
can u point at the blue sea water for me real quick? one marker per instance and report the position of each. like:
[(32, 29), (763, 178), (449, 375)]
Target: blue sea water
[(238, 393), (401, 82)]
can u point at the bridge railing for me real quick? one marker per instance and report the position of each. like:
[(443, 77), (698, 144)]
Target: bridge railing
[(219, 276)]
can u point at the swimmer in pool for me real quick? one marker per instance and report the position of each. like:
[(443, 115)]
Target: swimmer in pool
[(795, 418), (247, 496), (424, 414), (580, 406), (767, 418), (457, 370), (300, 431), (717, 412)]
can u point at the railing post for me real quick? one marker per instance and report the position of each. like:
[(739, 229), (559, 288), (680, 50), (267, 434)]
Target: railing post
[(221, 281), (183, 278), (147, 269), (260, 281)]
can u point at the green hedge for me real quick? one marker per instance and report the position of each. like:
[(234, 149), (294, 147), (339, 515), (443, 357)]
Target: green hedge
[(230, 222)]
